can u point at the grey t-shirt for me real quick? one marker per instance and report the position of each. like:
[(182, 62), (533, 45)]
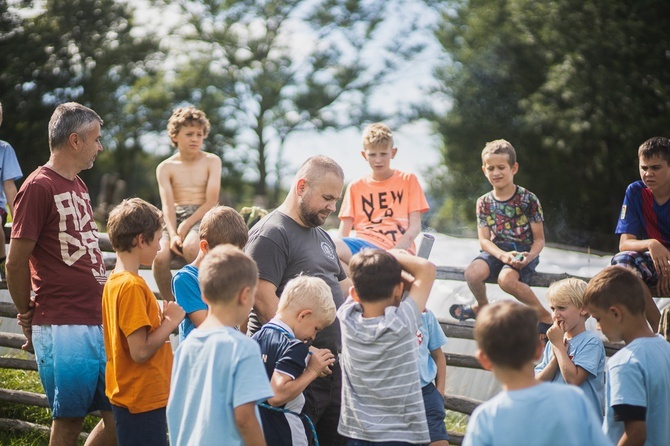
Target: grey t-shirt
[(282, 250)]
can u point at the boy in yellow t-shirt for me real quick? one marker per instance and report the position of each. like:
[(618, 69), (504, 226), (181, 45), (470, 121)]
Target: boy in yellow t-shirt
[(139, 356), (385, 207)]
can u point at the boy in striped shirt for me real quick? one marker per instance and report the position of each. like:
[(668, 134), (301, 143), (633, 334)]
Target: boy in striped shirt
[(381, 391)]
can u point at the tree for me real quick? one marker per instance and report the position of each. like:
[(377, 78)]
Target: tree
[(576, 86), (75, 50), (275, 67)]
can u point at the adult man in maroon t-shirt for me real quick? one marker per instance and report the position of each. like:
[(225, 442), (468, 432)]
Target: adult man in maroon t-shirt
[(55, 246)]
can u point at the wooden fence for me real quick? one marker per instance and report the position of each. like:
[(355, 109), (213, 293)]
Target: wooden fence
[(462, 330)]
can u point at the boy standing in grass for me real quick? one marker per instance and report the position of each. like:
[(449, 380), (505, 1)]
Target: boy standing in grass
[(638, 375), (511, 234), (218, 377), (305, 307), (139, 355), (381, 388), (573, 354), (219, 226), (526, 411), (189, 183), (385, 207)]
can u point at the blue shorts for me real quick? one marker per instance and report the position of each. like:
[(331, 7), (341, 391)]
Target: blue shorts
[(71, 362), (140, 429), (495, 265), (434, 404), (640, 262), (356, 244)]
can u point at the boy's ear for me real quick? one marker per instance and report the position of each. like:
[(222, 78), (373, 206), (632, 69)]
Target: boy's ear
[(304, 313), (584, 312), (393, 152), (354, 294), (515, 168), (365, 156), (484, 360), (204, 246), (246, 297), (616, 311)]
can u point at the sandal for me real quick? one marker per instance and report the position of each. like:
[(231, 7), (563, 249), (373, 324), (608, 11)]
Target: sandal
[(465, 312)]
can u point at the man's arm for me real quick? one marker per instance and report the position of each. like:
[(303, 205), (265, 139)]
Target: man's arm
[(212, 190), (10, 192), (423, 272), (412, 231), (18, 283), (266, 301), (248, 425)]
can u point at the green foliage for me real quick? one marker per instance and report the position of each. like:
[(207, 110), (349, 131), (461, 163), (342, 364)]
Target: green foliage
[(575, 86)]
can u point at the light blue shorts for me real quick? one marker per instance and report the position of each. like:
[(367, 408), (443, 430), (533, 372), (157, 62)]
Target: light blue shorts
[(357, 244), (71, 361)]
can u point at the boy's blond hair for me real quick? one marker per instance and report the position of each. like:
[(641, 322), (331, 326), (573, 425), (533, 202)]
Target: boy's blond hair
[(221, 225), (186, 116), (131, 218), (506, 331), (568, 291), (377, 134), (308, 293), (616, 285), (224, 272), (500, 147)]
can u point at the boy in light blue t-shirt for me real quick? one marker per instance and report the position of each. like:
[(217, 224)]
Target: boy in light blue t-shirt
[(219, 226), (433, 368), (526, 411), (638, 375), (573, 354), (218, 377)]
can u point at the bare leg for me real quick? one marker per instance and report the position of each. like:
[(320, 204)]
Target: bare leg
[(343, 251), (651, 309), (475, 275), (509, 282), (191, 246), (65, 431), (104, 433), (161, 270)]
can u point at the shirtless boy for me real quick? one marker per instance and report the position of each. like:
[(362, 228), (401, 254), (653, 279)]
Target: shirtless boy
[(189, 183)]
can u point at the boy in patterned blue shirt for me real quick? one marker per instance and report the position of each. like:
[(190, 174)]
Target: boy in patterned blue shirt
[(511, 234)]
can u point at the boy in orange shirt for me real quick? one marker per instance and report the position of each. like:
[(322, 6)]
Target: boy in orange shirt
[(139, 355), (385, 207)]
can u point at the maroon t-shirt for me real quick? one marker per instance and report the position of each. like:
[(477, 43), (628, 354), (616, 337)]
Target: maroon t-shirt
[(66, 267)]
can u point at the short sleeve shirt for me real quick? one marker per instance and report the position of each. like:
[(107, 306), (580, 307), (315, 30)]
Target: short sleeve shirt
[(430, 337), (642, 217), (509, 221), (186, 291), (9, 168)]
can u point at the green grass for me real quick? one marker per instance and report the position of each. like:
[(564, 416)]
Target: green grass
[(29, 381), (456, 422)]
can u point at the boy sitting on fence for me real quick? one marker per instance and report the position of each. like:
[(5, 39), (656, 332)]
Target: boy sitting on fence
[(573, 355), (136, 331), (219, 226), (381, 389), (218, 377), (511, 235), (305, 307), (638, 376), (526, 411)]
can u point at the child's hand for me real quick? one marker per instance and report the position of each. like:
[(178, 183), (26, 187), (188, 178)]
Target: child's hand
[(320, 361), (173, 312), (176, 245), (556, 334), (518, 260)]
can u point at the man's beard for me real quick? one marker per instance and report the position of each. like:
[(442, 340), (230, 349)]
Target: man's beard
[(309, 217)]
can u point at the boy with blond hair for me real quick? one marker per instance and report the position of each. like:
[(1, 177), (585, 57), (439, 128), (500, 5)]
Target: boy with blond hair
[(218, 377), (305, 307), (219, 226), (189, 183), (573, 355), (526, 411), (136, 331), (381, 389), (638, 375), (511, 235), (384, 207)]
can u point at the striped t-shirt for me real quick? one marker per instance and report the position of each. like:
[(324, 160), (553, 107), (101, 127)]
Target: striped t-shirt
[(381, 391)]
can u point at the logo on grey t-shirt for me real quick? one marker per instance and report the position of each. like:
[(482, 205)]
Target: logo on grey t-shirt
[(327, 250)]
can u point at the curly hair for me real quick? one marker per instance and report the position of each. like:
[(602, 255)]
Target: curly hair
[(186, 116)]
